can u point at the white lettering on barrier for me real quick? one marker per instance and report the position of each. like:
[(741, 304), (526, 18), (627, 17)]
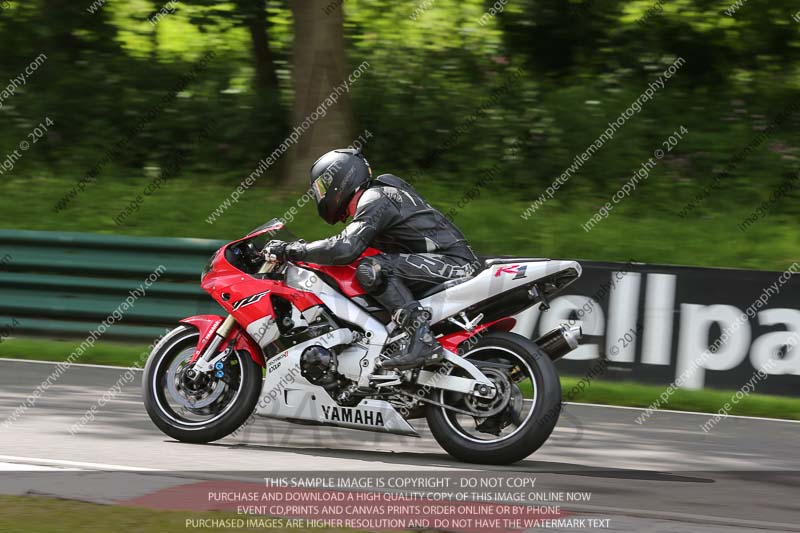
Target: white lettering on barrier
[(624, 299), (694, 355), (766, 349), (710, 337)]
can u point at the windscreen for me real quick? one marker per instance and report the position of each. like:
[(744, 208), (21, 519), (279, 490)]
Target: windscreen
[(278, 233)]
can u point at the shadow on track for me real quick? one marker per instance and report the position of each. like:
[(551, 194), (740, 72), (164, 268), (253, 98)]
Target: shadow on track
[(442, 460)]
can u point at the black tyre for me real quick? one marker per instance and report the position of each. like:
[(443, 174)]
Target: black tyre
[(202, 411), (516, 365)]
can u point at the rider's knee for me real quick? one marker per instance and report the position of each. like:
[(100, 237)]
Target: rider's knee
[(372, 274)]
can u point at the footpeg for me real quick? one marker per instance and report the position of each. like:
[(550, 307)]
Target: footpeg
[(467, 324), (384, 380)]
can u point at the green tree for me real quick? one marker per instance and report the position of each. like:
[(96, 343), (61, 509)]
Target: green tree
[(252, 15)]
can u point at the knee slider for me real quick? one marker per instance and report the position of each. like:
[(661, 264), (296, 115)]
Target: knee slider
[(371, 275)]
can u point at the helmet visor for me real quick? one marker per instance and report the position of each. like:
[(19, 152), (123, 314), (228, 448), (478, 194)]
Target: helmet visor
[(320, 186)]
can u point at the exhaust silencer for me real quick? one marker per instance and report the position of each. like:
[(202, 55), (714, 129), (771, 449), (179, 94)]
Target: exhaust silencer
[(559, 342)]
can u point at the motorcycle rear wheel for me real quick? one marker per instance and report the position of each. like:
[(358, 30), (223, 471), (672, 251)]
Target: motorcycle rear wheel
[(196, 413), (526, 428)]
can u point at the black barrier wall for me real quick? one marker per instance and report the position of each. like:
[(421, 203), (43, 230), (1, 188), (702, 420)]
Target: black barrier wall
[(694, 327)]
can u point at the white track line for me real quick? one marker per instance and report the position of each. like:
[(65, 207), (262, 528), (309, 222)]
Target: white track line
[(684, 412), (19, 467), (35, 461), (73, 364)]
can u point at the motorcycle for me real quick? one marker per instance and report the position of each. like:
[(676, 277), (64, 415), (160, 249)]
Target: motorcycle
[(303, 342)]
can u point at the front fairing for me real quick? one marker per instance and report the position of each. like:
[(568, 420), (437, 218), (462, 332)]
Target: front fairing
[(235, 253), (232, 279)]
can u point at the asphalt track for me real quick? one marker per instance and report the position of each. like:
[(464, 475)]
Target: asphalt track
[(663, 475)]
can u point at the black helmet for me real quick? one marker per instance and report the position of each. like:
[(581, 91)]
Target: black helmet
[(335, 178)]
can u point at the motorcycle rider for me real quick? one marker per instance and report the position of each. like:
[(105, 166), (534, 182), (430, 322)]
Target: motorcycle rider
[(420, 246)]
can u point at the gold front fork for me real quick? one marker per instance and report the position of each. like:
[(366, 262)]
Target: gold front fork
[(226, 326)]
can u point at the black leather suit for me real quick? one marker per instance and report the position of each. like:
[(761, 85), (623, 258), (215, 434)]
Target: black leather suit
[(420, 247)]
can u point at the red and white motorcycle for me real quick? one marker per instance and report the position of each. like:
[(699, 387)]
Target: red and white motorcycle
[(494, 398)]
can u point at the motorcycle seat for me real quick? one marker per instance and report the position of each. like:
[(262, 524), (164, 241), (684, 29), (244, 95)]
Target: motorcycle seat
[(490, 261), (486, 262), (441, 287)]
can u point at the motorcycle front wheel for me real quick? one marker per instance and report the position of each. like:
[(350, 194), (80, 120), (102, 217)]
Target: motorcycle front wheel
[(517, 421), (202, 410)]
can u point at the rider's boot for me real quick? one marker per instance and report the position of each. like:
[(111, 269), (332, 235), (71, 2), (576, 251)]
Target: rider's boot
[(408, 315), (422, 348)]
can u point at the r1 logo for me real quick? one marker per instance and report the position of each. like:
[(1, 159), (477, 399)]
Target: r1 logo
[(518, 270)]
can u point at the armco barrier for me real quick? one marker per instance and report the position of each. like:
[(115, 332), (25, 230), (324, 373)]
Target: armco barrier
[(653, 323), (56, 284)]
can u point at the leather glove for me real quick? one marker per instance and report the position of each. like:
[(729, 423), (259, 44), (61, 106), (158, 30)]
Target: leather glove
[(275, 250), (296, 250)]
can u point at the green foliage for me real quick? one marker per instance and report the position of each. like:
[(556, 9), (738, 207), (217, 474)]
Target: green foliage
[(448, 94), (491, 221), (102, 76)]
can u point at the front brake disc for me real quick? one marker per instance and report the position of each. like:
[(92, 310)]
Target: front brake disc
[(179, 393)]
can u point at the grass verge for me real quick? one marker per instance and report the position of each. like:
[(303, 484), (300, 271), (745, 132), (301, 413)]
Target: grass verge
[(102, 353), (621, 393), (36, 514), (631, 394), (644, 230)]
